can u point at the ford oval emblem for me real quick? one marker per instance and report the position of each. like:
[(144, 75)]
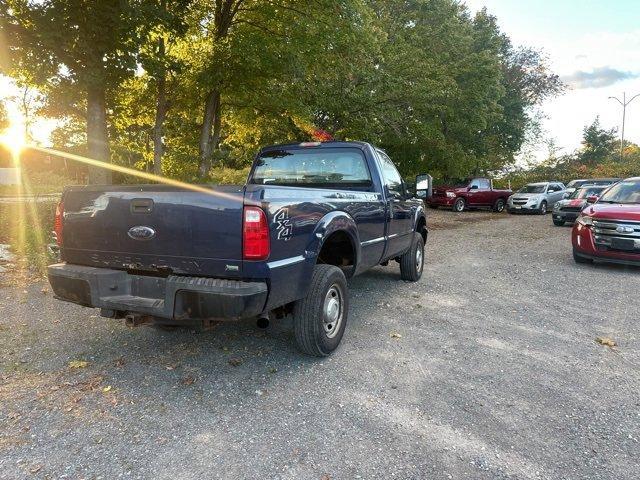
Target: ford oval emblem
[(141, 233), (625, 229)]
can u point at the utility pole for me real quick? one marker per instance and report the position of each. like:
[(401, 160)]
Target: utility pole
[(624, 102)]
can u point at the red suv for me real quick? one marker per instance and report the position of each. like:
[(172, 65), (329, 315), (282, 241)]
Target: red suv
[(609, 230)]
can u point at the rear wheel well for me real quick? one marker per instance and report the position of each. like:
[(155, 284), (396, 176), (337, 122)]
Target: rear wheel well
[(338, 250)]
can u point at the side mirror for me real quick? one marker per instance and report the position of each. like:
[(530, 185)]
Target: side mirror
[(592, 199), (424, 185), (473, 187), (566, 195)]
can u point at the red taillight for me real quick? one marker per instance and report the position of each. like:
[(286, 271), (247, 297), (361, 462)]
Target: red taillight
[(255, 234), (57, 223)]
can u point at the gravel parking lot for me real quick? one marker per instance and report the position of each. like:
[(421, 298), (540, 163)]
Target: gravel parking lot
[(486, 368)]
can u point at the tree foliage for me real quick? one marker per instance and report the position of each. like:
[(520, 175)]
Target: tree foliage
[(597, 157), (183, 86)]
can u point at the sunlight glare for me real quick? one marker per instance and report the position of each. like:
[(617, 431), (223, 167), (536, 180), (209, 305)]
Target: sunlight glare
[(13, 138)]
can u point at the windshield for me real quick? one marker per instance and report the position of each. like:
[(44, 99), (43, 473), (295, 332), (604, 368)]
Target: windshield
[(585, 192), (462, 183), (623, 192), (575, 183), (533, 189), (337, 167)]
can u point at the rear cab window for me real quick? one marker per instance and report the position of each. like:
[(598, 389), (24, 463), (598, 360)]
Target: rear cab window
[(320, 168)]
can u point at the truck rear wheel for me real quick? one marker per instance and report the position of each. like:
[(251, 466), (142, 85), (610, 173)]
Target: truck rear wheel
[(499, 205), (412, 262), (321, 317)]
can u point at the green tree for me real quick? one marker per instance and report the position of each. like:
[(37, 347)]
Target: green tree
[(598, 144), (76, 50)]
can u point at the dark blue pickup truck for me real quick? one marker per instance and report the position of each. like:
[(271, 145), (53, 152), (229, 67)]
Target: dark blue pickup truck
[(310, 215)]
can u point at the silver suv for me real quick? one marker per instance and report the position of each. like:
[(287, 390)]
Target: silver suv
[(536, 197)]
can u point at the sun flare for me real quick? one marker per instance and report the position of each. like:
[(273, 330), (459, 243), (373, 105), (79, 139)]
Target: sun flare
[(13, 138)]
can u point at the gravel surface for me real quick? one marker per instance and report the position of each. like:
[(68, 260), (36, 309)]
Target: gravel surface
[(486, 368)]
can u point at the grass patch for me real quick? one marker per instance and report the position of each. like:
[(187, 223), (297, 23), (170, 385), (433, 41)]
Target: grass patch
[(27, 227)]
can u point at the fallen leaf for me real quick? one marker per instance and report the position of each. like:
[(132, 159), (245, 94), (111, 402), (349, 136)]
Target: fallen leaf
[(106, 389), (235, 362), (396, 335), (325, 477), (44, 291), (188, 380), (120, 362), (170, 367), (606, 341), (78, 364), (35, 469)]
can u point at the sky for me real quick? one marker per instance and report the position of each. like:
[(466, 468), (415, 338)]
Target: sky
[(594, 45)]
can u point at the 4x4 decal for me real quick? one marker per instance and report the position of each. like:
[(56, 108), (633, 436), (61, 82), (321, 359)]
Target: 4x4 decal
[(284, 226)]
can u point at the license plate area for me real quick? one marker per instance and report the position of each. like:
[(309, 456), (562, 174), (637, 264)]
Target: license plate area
[(626, 244)]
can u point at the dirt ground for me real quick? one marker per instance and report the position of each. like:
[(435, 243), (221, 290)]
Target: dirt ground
[(487, 368)]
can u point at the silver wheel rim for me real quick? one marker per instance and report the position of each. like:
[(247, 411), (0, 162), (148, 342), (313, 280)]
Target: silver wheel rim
[(500, 206), (418, 260), (332, 311), (543, 208), (459, 205)]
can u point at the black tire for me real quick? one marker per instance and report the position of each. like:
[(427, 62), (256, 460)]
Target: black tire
[(412, 262), (459, 205), (311, 322), (499, 205), (580, 259), (543, 208), (558, 223)]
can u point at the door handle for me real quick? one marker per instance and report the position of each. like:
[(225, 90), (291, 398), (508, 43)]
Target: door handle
[(141, 205)]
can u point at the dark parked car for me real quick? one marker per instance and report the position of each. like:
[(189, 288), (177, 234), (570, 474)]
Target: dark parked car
[(469, 193), (309, 216), (568, 209), (609, 230)]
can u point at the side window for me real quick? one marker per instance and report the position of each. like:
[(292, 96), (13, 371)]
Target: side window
[(551, 188), (392, 178), (475, 183), (483, 184)]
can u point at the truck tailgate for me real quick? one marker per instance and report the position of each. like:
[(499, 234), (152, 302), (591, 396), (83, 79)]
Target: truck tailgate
[(156, 228)]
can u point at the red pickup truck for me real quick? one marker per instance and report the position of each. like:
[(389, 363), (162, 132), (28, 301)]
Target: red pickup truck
[(469, 193), (609, 230)]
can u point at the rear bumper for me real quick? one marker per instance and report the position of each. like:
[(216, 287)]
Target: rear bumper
[(173, 297)]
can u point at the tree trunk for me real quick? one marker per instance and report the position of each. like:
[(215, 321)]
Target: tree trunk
[(162, 107), (97, 135), (210, 132)]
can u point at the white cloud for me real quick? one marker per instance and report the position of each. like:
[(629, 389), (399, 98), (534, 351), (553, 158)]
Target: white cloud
[(597, 78)]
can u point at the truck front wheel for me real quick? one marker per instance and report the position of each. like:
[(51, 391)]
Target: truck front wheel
[(412, 262), (458, 205), (321, 317)]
